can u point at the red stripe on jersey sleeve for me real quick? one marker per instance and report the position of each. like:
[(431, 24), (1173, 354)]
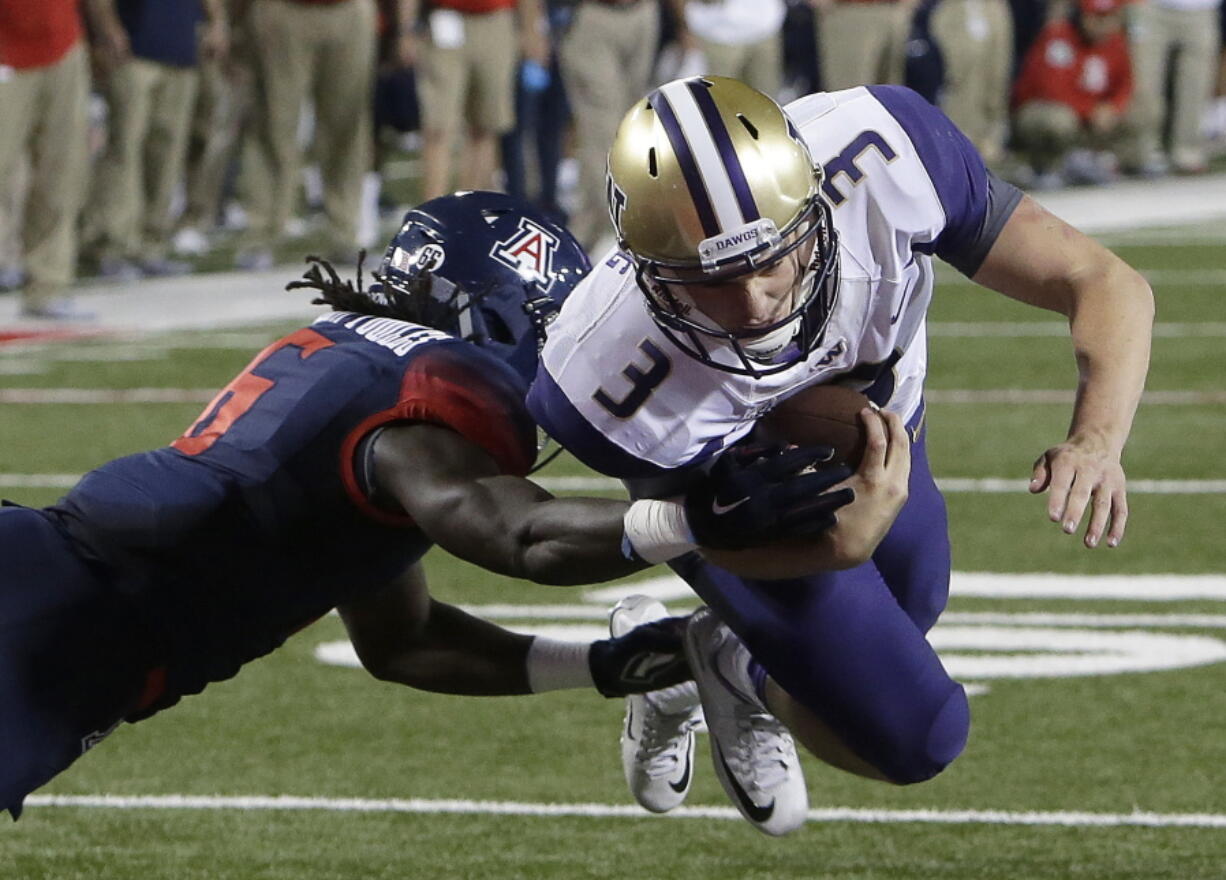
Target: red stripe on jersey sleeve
[(483, 411)]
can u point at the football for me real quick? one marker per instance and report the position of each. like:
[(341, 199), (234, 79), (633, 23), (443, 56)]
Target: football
[(820, 414)]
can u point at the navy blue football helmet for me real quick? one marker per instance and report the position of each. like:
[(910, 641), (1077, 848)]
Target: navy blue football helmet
[(485, 267)]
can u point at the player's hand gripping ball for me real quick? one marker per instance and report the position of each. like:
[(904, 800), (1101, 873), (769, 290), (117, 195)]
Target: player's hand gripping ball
[(827, 415)]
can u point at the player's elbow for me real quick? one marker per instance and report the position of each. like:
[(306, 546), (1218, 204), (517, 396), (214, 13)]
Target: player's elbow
[(381, 664)]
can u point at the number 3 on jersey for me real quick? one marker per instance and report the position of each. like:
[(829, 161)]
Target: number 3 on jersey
[(242, 394), (642, 382)]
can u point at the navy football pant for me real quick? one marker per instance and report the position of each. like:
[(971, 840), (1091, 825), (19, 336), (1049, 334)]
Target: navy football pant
[(70, 655), (850, 645)]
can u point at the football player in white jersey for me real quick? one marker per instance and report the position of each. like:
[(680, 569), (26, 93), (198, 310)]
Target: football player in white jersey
[(761, 251)]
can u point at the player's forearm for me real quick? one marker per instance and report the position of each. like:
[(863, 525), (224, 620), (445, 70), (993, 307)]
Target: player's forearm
[(575, 541), (1111, 323), (514, 527), (456, 653)]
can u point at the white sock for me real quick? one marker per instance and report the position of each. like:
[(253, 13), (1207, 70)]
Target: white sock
[(555, 665)]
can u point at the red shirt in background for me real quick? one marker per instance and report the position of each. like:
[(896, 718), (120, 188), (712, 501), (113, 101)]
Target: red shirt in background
[(474, 6), (37, 33), (1061, 66)]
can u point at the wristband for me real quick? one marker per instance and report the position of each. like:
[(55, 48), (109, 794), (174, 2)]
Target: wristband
[(554, 665), (657, 531)]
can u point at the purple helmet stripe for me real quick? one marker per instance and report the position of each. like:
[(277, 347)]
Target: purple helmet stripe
[(685, 158), (727, 152)]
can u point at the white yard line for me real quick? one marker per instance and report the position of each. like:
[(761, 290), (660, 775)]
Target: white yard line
[(991, 585), (1053, 395), (1159, 277), (106, 395), (950, 485), (963, 618), (953, 485), (103, 396), (1064, 819), (1059, 330)]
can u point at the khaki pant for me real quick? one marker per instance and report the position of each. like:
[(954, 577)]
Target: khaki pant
[(150, 106), (223, 102), (606, 60), (473, 83), (44, 114), (758, 64), (863, 43), (1193, 36), (976, 42), (325, 53), (1047, 130)]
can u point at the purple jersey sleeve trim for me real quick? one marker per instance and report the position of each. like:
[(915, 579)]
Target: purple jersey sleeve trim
[(953, 164), (563, 422)]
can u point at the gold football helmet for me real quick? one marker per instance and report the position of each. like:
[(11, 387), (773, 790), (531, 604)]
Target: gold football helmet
[(708, 180)]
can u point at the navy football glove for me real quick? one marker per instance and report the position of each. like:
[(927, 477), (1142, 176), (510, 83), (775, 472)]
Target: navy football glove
[(647, 658), (758, 495)]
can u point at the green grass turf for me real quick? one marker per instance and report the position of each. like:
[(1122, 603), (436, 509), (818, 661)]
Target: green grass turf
[(1153, 741)]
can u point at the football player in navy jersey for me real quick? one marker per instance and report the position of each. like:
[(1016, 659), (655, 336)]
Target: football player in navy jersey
[(762, 250), (319, 477)]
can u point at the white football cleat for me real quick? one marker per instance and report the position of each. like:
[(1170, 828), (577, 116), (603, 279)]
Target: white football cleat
[(658, 736), (754, 755)]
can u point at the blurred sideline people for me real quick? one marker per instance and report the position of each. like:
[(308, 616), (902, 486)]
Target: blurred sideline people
[(606, 59), (1174, 42), (532, 150), (455, 61), (975, 38), (466, 61), (44, 90), (862, 41), (738, 38), (224, 103), (1073, 94), (151, 93), (324, 51)]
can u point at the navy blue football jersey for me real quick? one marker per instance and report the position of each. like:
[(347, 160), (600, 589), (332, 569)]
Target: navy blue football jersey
[(255, 522)]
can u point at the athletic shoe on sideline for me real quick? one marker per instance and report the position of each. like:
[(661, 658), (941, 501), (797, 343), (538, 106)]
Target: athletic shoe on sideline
[(754, 755), (658, 736)]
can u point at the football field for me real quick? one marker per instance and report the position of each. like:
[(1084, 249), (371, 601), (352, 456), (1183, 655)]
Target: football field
[(1098, 745)]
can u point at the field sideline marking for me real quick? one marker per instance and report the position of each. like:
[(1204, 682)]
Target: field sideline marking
[(949, 485), (1181, 277), (1057, 329), (609, 811), (954, 395), (600, 613)]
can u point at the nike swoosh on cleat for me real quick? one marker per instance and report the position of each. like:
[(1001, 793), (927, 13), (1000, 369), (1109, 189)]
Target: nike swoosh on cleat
[(748, 807), (720, 509), (630, 721), (684, 782)]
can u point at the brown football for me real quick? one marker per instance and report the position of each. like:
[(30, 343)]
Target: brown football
[(825, 414)]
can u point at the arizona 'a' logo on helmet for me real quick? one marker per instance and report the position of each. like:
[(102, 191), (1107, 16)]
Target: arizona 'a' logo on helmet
[(529, 252), (708, 179)]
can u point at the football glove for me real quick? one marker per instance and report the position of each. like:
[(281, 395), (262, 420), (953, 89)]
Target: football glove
[(647, 658), (758, 495)]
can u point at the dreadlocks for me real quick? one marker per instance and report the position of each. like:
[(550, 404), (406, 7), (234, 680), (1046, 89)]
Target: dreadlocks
[(341, 295), (413, 303)]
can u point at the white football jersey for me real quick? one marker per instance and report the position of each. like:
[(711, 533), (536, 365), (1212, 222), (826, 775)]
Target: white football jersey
[(903, 184)]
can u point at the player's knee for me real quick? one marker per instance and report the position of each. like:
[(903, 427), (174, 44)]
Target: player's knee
[(930, 751)]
